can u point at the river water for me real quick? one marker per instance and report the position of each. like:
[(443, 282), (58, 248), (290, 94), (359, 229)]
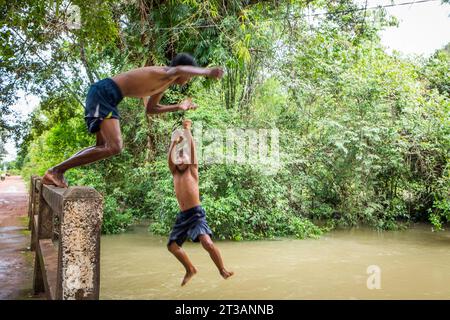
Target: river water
[(410, 264)]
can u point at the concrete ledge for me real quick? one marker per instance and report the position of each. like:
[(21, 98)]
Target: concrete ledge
[(34, 233), (37, 183), (55, 196), (71, 271), (48, 258)]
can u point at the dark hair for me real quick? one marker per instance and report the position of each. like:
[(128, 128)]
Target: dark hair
[(183, 59)]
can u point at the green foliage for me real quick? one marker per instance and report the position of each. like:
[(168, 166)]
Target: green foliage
[(437, 72), (241, 203), (115, 218), (364, 136)]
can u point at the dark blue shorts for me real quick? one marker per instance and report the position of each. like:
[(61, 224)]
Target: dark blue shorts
[(101, 103), (190, 223)]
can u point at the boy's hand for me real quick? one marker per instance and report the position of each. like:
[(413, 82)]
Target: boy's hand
[(187, 124), (187, 104), (215, 73)]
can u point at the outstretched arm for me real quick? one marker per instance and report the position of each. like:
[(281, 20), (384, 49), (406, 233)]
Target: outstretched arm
[(154, 107), (171, 155), (175, 139), (187, 126), (191, 71)]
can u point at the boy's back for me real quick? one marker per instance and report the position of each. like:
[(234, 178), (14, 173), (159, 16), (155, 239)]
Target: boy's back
[(143, 82)]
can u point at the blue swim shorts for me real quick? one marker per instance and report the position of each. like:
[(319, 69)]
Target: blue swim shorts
[(190, 223), (101, 103)]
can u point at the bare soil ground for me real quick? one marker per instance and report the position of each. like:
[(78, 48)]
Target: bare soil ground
[(15, 257)]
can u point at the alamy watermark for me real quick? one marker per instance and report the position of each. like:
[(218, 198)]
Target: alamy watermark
[(374, 279), (233, 146)]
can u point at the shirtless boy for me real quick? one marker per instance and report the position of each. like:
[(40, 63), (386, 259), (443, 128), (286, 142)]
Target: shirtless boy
[(102, 116), (191, 221)]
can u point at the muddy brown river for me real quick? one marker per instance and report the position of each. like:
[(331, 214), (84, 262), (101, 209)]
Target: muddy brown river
[(344, 264)]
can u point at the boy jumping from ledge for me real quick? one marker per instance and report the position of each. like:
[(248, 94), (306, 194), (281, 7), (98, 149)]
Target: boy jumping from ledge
[(102, 116), (191, 221)]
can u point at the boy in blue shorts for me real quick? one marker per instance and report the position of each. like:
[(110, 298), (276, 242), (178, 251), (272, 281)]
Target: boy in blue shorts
[(102, 115), (191, 221)]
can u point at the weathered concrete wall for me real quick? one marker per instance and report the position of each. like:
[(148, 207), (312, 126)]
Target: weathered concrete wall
[(72, 271), (80, 228)]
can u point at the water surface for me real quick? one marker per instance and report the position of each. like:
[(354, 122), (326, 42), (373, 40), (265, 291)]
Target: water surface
[(414, 264)]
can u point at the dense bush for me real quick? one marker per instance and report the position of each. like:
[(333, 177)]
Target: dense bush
[(364, 135), (241, 203)]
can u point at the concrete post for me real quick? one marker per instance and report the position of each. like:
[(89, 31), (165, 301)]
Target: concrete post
[(43, 230), (79, 244), (70, 269), (37, 200), (30, 203)]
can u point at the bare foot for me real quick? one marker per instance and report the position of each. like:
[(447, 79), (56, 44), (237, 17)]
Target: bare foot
[(226, 274), (188, 276), (54, 178)]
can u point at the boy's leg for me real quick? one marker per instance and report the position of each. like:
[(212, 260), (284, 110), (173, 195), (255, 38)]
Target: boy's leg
[(109, 142), (181, 255), (99, 142), (214, 253)]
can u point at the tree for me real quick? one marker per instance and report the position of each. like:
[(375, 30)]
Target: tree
[(364, 135), (437, 69)]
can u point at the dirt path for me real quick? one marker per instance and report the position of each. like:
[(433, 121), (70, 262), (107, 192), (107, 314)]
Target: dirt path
[(15, 258)]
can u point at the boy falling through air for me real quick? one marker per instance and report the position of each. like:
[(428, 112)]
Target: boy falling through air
[(191, 221), (102, 114)]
